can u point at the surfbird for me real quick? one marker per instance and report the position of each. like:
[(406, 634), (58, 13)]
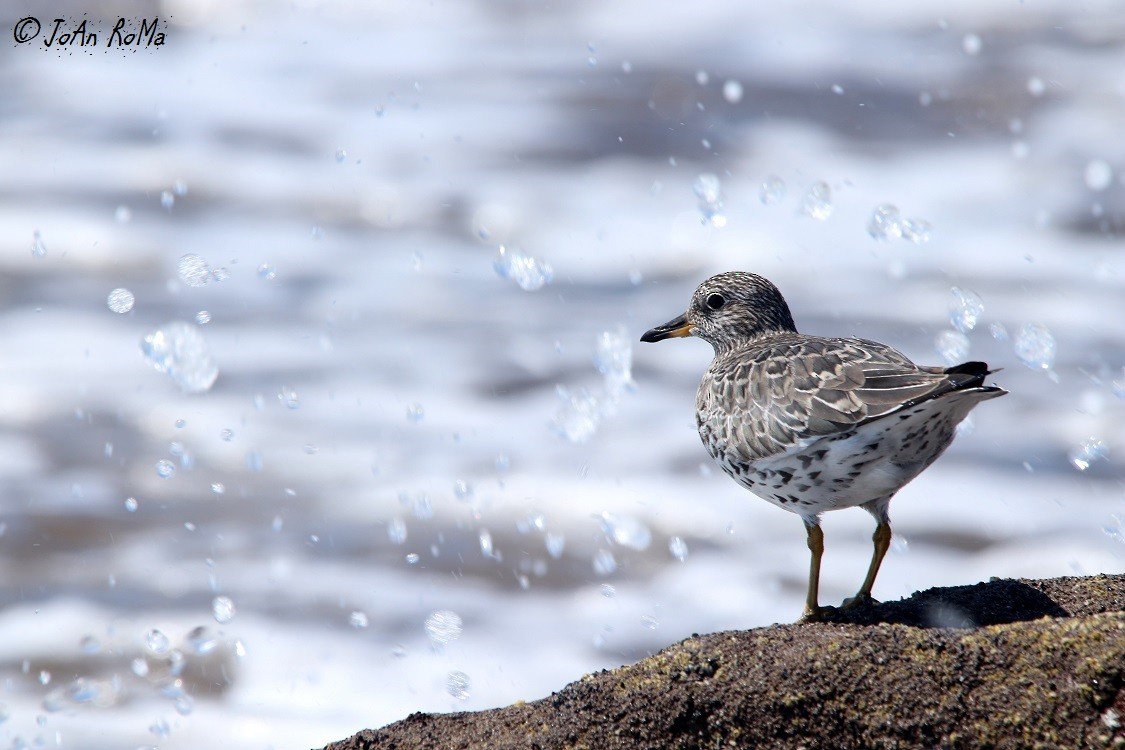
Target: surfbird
[(813, 424)]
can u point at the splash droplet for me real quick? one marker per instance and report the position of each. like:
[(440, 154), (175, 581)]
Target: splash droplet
[(156, 642), (38, 249), (1035, 346), (965, 309), (180, 350), (678, 548), (1098, 175), (528, 273), (1089, 451), (604, 563), (885, 223), (165, 469), (444, 626), (918, 231), (222, 609), (953, 346), (817, 201), (120, 300), (457, 684), (772, 190), (732, 91)]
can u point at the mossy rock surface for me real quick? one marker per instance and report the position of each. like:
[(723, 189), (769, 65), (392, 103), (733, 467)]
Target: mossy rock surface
[(1003, 664)]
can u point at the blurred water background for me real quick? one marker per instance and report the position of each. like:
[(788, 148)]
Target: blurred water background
[(290, 447)]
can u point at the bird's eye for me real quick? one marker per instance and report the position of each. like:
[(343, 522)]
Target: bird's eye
[(716, 301)]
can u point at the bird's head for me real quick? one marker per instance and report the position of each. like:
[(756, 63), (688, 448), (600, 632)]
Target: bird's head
[(729, 309)]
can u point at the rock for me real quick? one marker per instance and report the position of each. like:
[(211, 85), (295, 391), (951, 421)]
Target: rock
[(1004, 664)]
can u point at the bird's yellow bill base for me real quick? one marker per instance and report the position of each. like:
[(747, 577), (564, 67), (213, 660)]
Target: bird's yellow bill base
[(673, 329)]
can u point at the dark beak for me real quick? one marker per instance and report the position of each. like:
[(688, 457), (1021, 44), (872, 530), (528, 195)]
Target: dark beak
[(672, 329)]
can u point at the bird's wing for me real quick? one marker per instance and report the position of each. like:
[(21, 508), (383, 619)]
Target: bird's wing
[(780, 395)]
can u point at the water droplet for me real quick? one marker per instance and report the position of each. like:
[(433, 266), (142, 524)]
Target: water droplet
[(167, 199), (358, 620), (123, 215), (160, 728), (131, 502), (422, 506), (885, 223), (1098, 175), (702, 77), (732, 91), (817, 201), (203, 317), (165, 469), (396, 531), (604, 562), (255, 461), (555, 542), (412, 558), (485, 538), (341, 155), (918, 231), (503, 462), (772, 190), (90, 645), (184, 705), (528, 273), (288, 397), (180, 350), (139, 666), (218, 488), (965, 309), (1035, 346), (650, 622), (222, 609), (1089, 451), (708, 188), (120, 300), (443, 626), (462, 490), (971, 44), (44, 677), (578, 415), (953, 346), (220, 274), (998, 331), (626, 531), (678, 548), (200, 641), (180, 188), (156, 642), (38, 249), (266, 272), (457, 684), (613, 357), (1036, 86)]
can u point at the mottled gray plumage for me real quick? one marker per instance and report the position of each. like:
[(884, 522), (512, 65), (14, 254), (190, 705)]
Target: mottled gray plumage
[(813, 424)]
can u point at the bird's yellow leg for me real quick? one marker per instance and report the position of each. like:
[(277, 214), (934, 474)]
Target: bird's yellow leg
[(882, 540), (816, 547)]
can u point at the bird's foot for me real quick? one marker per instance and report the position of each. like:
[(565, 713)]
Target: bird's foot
[(859, 601), (811, 615), (820, 614)]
